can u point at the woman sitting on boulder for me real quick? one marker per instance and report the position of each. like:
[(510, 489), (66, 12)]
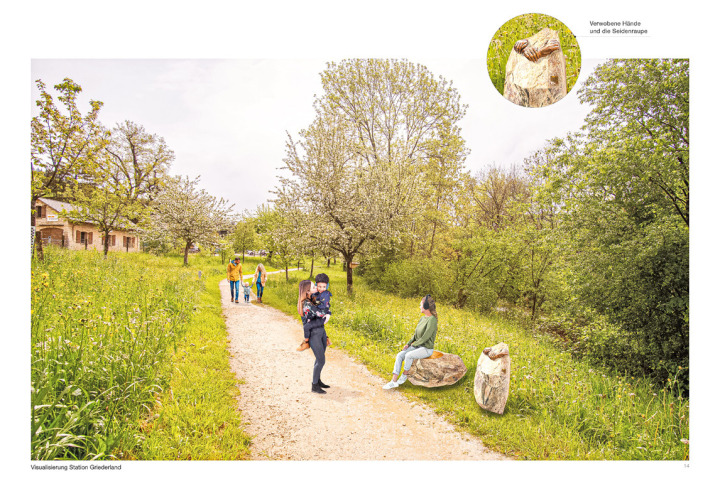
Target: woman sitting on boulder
[(420, 346)]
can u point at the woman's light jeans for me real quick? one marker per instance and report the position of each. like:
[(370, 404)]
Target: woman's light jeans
[(409, 356)]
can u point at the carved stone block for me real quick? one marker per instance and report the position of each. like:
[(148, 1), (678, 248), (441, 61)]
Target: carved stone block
[(492, 378), (535, 71)]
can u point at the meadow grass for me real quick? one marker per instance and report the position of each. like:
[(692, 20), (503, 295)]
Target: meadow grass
[(107, 339), (522, 27), (197, 417), (558, 408)]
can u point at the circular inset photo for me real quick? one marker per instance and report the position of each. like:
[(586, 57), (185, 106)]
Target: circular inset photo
[(533, 60)]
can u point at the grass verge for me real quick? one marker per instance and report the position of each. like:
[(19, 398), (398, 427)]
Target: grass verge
[(127, 350), (197, 417)]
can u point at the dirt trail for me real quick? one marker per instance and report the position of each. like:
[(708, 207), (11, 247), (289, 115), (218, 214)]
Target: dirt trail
[(355, 420)]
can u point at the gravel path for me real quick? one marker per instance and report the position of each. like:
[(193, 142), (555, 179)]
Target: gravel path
[(355, 420)]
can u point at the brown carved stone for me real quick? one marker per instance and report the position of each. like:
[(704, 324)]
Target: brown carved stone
[(437, 370), (492, 378), (535, 71)]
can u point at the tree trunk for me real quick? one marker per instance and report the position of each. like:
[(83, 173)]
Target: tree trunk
[(38, 236), (287, 278), (187, 249), (534, 301), (312, 266), (106, 245), (348, 260), (349, 281), (328, 264), (38, 246), (432, 240)]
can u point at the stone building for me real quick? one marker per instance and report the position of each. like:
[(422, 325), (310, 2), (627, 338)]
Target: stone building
[(60, 231)]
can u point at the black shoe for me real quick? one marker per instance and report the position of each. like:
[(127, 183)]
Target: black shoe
[(318, 389), (322, 385)]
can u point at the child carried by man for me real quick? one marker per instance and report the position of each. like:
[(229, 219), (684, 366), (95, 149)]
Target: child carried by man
[(322, 300)]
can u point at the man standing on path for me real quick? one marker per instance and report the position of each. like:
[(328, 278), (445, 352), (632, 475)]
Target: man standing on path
[(234, 274)]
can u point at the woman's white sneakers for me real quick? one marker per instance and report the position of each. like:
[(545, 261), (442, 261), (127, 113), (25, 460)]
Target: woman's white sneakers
[(393, 385)]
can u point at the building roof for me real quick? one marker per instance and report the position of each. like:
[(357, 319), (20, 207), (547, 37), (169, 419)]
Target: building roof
[(62, 206), (58, 205)]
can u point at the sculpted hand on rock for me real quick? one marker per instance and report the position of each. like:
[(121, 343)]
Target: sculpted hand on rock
[(520, 45), (497, 351), (531, 53), (552, 45), (523, 47)]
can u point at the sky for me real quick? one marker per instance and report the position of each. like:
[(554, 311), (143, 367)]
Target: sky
[(228, 120), (223, 81)]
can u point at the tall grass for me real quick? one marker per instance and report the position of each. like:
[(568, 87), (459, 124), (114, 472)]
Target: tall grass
[(104, 333), (558, 408), (522, 27), (197, 417)]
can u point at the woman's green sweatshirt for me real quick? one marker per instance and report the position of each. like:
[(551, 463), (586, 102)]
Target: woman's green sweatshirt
[(425, 331)]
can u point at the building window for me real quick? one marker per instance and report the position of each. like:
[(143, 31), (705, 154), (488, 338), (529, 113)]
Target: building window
[(83, 237)]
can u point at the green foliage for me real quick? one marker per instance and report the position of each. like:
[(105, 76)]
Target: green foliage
[(355, 171), (244, 238), (523, 27), (623, 188), (64, 146)]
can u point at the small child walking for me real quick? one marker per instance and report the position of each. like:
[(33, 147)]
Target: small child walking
[(246, 291)]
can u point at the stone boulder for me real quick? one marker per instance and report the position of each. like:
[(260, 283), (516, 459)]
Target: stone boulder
[(437, 370), (492, 378), (535, 71)]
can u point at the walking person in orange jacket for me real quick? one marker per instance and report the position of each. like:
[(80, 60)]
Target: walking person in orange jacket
[(234, 275)]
